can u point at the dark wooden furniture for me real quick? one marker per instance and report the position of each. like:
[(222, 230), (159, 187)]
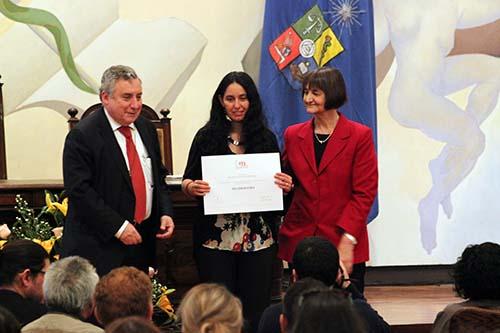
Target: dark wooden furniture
[(176, 265), (162, 125), (31, 190), (3, 156)]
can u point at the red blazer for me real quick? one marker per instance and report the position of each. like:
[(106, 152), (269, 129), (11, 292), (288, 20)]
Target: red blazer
[(336, 197)]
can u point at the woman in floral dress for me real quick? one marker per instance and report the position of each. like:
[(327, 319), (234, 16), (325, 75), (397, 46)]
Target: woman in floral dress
[(236, 250)]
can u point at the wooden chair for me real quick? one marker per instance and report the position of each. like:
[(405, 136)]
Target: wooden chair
[(162, 125), (475, 319)]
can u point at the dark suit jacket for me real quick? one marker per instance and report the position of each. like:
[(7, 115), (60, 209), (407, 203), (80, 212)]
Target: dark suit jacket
[(25, 310), (100, 192), (336, 197), (373, 322)]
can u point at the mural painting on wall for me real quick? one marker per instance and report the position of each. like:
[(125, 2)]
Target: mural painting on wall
[(60, 54), (426, 74)]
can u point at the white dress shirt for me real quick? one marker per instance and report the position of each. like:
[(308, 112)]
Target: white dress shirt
[(145, 163)]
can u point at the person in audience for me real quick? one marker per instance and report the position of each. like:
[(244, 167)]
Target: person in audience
[(8, 323), (123, 292), (317, 258), (236, 250), (118, 199), (133, 324), (327, 311), (476, 275), (290, 303), (210, 308), (334, 167), (23, 264), (68, 290)]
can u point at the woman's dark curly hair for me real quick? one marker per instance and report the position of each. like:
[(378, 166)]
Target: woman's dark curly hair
[(256, 136), (477, 272)]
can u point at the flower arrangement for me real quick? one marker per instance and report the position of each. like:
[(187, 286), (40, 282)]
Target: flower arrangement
[(45, 227), (163, 310)]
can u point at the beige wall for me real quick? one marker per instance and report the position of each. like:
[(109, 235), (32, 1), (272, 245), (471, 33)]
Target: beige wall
[(35, 136)]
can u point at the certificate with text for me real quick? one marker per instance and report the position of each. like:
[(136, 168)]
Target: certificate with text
[(241, 183)]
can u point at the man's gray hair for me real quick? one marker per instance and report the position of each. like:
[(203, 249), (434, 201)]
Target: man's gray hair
[(113, 74), (69, 285)]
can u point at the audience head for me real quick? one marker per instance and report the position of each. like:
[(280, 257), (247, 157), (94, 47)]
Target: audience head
[(8, 323), (69, 286), (123, 292), (23, 264), (290, 301), (316, 257), (331, 82), (326, 311), (477, 272), (210, 308), (132, 324)]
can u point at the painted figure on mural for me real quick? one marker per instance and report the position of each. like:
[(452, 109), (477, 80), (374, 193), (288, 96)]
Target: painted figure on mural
[(422, 35)]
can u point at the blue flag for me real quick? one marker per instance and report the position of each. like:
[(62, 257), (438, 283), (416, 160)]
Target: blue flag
[(300, 36)]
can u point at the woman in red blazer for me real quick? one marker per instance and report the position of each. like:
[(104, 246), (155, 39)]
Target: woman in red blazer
[(333, 163)]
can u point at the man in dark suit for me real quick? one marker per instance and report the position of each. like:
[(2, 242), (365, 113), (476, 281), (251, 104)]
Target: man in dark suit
[(317, 258), (118, 198)]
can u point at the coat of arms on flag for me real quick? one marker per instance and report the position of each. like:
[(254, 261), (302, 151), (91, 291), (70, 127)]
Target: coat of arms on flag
[(301, 36), (307, 44)]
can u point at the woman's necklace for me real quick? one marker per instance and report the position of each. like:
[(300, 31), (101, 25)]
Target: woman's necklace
[(234, 142), (329, 135), (324, 140)]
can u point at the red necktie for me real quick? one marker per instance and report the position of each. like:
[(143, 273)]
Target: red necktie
[(136, 175)]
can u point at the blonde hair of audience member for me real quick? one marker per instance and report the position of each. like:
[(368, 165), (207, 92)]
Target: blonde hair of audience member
[(125, 291), (133, 324), (210, 308)]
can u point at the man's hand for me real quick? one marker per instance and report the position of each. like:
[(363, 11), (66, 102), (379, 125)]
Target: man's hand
[(166, 227), (130, 236), (346, 252)]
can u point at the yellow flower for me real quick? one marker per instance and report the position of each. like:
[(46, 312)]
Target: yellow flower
[(62, 207), (164, 304), (46, 244), (48, 201), (2, 243)]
